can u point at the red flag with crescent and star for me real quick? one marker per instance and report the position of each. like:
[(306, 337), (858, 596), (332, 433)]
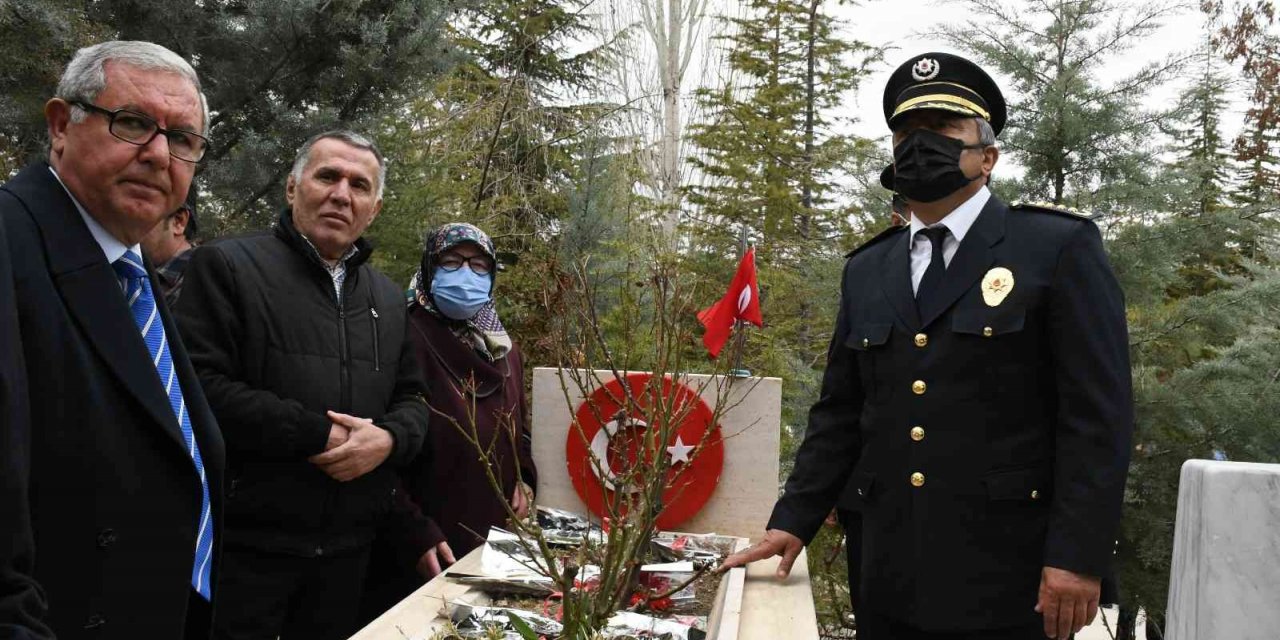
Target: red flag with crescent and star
[(741, 302)]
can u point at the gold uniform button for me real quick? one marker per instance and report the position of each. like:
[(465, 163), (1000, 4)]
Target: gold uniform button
[(1035, 495), (917, 479), (986, 332), (922, 340), (918, 387), (917, 433)]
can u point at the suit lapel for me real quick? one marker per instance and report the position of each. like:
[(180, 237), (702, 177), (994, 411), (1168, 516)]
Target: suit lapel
[(971, 261), (897, 281), (92, 294)]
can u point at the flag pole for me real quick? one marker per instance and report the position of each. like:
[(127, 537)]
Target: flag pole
[(740, 334)]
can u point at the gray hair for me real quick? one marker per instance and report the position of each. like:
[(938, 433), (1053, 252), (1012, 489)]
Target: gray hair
[(986, 135), (86, 75), (345, 135)]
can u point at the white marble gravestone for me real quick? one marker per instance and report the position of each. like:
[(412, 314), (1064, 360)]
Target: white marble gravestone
[(1225, 582), (748, 484)]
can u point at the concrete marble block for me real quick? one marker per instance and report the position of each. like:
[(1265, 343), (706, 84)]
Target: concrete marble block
[(748, 485), (1225, 582)]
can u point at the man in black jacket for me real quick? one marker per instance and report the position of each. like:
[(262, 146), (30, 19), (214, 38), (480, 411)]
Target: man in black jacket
[(301, 348), (977, 396)]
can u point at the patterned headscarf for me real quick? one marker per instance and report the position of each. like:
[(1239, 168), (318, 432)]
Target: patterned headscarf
[(484, 331)]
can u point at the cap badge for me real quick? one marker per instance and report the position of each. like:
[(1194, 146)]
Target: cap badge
[(925, 69), (996, 286)]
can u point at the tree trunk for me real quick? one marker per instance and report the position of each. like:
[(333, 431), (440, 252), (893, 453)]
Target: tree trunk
[(671, 72)]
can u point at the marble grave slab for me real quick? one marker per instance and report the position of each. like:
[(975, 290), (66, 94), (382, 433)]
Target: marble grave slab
[(1225, 581)]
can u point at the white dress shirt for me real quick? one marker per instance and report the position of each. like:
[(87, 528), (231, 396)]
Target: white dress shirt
[(957, 223), (112, 248)]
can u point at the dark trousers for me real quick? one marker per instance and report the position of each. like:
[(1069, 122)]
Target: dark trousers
[(874, 627), (264, 596)]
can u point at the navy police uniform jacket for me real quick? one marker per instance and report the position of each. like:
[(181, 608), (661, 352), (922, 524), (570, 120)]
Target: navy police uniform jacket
[(983, 441)]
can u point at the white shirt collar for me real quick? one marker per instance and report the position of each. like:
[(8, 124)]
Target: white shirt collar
[(961, 218), (112, 248)]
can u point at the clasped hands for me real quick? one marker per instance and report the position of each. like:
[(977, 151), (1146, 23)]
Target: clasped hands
[(356, 446), (1068, 601)]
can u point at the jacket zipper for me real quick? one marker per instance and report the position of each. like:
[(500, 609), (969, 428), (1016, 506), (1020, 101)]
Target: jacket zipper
[(377, 354)]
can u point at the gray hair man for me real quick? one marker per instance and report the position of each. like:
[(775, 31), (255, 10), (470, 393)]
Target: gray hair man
[(119, 453), (302, 348)]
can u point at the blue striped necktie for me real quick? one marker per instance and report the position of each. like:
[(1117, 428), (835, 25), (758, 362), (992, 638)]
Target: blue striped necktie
[(137, 291)]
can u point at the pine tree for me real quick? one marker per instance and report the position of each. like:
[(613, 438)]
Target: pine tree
[(1205, 162), (1258, 151), (1219, 240), (772, 156), (1250, 38)]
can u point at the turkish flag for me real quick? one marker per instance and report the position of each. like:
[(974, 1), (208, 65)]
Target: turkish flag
[(741, 302)]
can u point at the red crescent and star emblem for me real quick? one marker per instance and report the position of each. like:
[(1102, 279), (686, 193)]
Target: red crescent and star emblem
[(616, 438)]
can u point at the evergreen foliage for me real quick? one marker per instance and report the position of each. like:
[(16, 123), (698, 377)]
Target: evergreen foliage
[(275, 73), (1081, 142), (512, 141)]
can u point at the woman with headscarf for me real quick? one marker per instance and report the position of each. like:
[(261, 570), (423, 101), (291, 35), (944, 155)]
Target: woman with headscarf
[(472, 367), (475, 376)]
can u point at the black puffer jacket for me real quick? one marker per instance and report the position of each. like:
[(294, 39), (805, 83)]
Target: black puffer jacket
[(274, 350)]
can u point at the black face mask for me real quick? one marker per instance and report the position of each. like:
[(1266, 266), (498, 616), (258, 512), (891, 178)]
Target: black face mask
[(927, 166)]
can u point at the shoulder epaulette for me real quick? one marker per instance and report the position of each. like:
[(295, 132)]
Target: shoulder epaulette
[(887, 233), (1049, 207)]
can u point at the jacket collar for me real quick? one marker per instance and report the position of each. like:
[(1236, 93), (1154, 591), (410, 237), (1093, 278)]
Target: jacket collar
[(112, 248), (972, 258), (458, 358), (286, 231), (959, 221)]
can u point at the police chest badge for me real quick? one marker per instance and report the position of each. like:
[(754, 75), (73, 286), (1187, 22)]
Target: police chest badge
[(996, 286)]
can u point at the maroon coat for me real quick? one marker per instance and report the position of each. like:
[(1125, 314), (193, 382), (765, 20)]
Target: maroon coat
[(447, 481), (445, 492)]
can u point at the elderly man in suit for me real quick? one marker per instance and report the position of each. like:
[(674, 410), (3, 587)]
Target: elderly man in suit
[(116, 534), (977, 399)]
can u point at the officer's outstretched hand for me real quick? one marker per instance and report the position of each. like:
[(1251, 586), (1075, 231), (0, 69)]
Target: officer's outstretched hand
[(776, 542)]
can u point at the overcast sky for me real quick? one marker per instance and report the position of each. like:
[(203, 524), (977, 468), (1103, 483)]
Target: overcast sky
[(902, 23)]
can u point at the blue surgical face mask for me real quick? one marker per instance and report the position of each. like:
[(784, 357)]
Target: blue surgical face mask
[(460, 294)]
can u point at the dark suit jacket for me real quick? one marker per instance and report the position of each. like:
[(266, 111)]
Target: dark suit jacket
[(1025, 410), (111, 512)]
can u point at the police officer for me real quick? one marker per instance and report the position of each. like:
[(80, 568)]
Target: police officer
[(977, 396)]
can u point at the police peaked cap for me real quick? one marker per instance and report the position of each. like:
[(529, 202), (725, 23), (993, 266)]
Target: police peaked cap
[(945, 82)]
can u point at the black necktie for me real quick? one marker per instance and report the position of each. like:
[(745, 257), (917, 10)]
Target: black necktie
[(937, 265)]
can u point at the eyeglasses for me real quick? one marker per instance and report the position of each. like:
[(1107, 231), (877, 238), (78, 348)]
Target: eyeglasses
[(480, 265), (141, 129)]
